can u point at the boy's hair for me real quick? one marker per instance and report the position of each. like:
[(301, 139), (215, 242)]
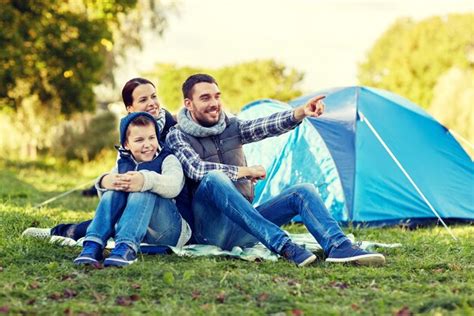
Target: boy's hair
[(189, 84), (141, 120), (130, 86), (136, 119)]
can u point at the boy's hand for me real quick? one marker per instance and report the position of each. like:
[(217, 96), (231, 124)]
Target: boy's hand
[(132, 181), (110, 181)]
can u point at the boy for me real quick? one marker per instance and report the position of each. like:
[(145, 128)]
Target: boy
[(126, 207)]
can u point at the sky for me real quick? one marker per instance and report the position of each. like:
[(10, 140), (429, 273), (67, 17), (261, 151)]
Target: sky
[(325, 39)]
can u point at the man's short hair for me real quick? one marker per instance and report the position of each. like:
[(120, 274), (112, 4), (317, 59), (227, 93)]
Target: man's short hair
[(189, 84)]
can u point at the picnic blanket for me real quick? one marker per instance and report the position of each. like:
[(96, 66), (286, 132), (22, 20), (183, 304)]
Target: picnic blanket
[(255, 253)]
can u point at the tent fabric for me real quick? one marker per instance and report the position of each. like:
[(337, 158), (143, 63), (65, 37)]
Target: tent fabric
[(357, 178)]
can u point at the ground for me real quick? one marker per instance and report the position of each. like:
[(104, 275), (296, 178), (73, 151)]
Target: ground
[(430, 274)]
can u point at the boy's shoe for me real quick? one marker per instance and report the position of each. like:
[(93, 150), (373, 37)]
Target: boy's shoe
[(122, 255), (348, 252), (36, 232), (92, 254), (300, 256)]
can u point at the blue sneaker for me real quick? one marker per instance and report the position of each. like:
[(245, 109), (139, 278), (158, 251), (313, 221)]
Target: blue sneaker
[(122, 255), (348, 252), (300, 256), (92, 254)]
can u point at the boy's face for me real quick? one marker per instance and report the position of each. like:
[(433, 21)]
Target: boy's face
[(142, 142)]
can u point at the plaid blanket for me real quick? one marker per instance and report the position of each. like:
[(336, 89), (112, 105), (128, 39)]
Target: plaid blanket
[(255, 253)]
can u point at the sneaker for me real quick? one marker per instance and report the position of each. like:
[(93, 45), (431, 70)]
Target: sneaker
[(90, 192), (92, 254), (300, 256), (348, 252), (122, 255), (36, 232), (62, 241)]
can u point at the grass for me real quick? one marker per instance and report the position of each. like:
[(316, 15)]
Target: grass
[(431, 274)]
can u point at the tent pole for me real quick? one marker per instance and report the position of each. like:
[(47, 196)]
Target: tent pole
[(372, 129), (54, 198)]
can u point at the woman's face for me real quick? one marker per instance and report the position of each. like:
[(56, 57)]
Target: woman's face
[(145, 100)]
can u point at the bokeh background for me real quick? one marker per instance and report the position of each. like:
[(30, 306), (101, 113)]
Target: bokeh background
[(63, 63)]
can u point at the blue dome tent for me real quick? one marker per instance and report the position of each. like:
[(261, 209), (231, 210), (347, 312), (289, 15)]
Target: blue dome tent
[(376, 159)]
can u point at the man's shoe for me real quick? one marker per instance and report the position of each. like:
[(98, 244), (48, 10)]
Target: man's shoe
[(36, 232), (92, 254), (300, 256), (122, 255), (348, 252)]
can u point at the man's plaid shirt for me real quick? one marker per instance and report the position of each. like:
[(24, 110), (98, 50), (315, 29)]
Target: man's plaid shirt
[(250, 131)]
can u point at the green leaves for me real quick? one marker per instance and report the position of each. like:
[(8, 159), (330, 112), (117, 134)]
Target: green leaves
[(168, 277), (410, 56), (239, 83)]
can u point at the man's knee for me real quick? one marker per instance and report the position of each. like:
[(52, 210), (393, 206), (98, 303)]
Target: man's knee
[(214, 176), (306, 189)]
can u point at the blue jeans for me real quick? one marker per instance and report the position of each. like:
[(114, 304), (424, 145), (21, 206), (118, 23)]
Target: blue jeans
[(133, 217), (71, 230), (223, 217)]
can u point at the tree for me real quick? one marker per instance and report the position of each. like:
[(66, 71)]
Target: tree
[(410, 56), (453, 104), (240, 83), (54, 52)]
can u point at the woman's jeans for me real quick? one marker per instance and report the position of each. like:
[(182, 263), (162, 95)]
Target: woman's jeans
[(132, 218), (223, 217)]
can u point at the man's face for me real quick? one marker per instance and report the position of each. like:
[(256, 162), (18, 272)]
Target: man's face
[(205, 103), (142, 142), (145, 100)]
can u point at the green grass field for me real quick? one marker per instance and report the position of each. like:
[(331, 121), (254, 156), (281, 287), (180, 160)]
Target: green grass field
[(430, 274)]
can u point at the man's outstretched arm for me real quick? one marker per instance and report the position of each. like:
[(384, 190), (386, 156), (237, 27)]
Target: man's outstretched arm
[(279, 123)]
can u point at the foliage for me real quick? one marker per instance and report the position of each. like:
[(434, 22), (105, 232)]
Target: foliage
[(452, 105), (410, 56), (54, 53), (55, 50), (240, 83), (430, 274), (85, 136)]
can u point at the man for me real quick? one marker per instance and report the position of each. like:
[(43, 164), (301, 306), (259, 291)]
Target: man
[(209, 145)]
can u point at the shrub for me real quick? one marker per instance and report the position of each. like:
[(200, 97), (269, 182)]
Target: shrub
[(86, 136)]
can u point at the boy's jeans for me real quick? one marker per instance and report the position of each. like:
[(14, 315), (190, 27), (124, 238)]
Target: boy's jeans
[(133, 217), (223, 217)]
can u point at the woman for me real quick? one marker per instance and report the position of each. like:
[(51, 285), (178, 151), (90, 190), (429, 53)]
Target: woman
[(138, 95)]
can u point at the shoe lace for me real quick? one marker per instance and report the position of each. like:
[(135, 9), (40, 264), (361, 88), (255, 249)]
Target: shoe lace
[(122, 248)]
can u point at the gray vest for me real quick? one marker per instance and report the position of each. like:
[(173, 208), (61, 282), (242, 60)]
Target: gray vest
[(225, 148)]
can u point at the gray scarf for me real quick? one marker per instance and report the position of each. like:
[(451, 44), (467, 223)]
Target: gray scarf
[(189, 126), (161, 120)]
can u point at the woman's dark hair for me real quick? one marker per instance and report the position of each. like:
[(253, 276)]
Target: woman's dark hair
[(189, 84), (130, 86)]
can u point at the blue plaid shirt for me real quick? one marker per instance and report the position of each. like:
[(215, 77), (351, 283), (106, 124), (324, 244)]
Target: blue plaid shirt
[(250, 131)]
